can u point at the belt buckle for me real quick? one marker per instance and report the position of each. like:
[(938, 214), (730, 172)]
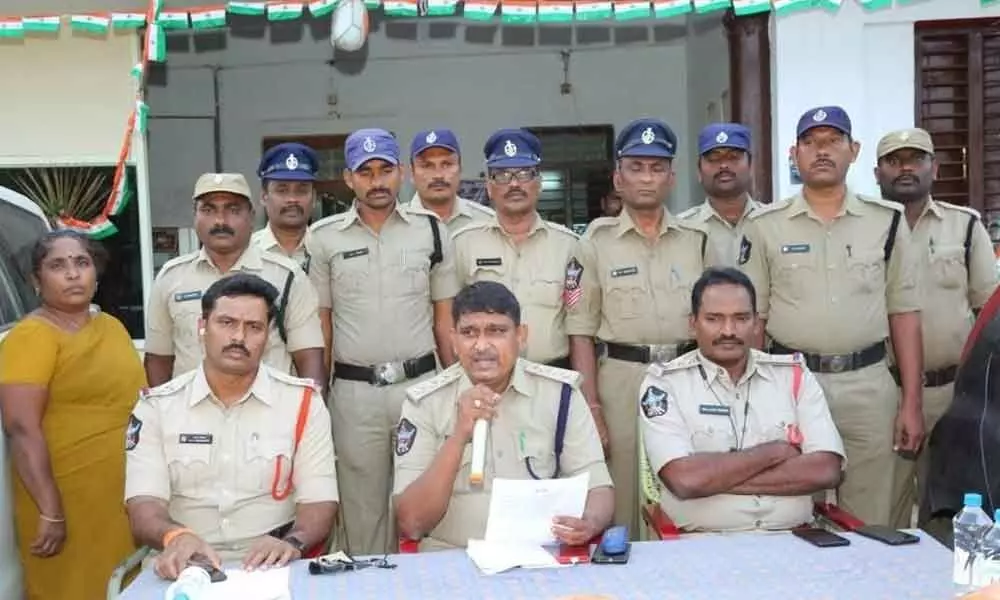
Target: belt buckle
[(388, 374), (662, 352), (836, 363)]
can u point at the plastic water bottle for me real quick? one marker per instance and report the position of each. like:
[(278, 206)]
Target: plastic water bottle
[(970, 525), (191, 585), (987, 563)]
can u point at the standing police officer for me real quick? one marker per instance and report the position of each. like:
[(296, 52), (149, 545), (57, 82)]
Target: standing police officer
[(287, 174), (836, 275), (436, 165)]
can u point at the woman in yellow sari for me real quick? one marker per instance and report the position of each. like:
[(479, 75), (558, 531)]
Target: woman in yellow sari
[(69, 377)]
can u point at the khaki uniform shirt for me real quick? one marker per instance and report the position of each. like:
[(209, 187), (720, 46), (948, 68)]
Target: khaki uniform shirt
[(826, 287), (534, 270), (215, 466), (635, 291), (175, 307), (685, 413), (523, 429), (724, 236), (268, 243), (381, 286), (951, 290), (466, 212)]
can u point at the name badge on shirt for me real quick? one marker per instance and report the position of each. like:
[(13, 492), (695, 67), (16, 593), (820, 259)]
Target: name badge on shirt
[(795, 249), (624, 271), (187, 296), (195, 438), (355, 253), (713, 409), (489, 262)]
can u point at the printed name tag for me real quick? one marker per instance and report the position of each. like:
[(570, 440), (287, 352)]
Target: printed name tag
[(713, 409), (624, 271), (187, 296), (355, 253), (195, 438), (795, 249), (489, 262)]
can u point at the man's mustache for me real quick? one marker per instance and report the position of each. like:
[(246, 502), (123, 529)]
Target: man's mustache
[(292, 208), (221, 230), (376, 191), (240, 347), (439, 183), (727, 340), (514, 193), (723, 172), (824, 162), (906, 179)]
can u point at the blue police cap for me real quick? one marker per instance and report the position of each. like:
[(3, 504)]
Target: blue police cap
[(367, 144), (290, 161), (646, 137), (434, 138), (824, 116), (723, 135), (511, 148)]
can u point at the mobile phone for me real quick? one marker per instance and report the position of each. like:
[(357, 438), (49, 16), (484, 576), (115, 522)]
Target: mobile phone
[(214, 574), (614, 548), (820, 538), (887, 535), (573, 555), (600, 557)]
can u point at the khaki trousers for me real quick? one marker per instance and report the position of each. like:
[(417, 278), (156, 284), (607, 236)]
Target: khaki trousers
[(863, 404), (908, 487), (364, 421), (618, 384)]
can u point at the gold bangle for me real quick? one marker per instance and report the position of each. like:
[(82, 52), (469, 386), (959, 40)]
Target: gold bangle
[(51, 519), (173, 534)]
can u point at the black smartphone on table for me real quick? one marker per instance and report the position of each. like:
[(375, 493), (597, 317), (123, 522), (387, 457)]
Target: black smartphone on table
[(887, 535), (820, 538)]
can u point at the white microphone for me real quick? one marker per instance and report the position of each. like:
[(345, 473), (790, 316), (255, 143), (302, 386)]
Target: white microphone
[(479, 433)]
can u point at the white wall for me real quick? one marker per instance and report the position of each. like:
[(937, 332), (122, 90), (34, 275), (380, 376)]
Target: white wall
[(708, 89), (860, 60), (471, 78)]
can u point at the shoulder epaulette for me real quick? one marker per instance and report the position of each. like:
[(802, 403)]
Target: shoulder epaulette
[(474, 226), (331, 220), (768, 209), (599, 223), (965, 209), (170, 387), (689, 226), (554, 373), (789, 360), (176, 261), (682, 362), (690, 213), (879, 201), (281, 260), (562, 229), (283, 377), (416, 209), (418, 392), (475, 206)]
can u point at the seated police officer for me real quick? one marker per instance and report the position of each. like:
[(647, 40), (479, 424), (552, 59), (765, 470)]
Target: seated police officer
[(234, 460), (740, 439), (521, 400)]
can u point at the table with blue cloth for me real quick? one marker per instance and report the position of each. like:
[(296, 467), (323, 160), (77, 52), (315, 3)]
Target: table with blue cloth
[(765, 566)]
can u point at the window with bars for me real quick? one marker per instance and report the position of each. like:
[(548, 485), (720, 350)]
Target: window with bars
[(958, 102)]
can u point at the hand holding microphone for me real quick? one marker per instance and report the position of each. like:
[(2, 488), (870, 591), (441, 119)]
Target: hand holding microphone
[(477, 407)]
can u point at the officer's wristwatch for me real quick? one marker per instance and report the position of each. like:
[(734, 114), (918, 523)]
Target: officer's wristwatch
[(295, 542)]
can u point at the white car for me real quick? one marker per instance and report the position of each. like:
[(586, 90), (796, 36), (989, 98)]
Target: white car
[(21, 224)]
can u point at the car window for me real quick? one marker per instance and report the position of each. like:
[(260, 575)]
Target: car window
[(19, 230)]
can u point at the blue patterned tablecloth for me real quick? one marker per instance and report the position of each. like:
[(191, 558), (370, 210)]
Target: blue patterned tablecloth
[(707, 567)]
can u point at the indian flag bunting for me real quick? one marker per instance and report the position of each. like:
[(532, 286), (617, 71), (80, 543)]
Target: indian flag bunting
[(555, 11), (122, 192), (42, 24), (480, 10), (138, 70), (372, 4), (212, 18), (141, 116), (98, 229), (666, 9), (834, 5), (251, 9), (156, 43), (286, 11), (784, 7), (97, 24), (518, 12), (321, 8), (441, 8), (875, 4), (400, 8), (173, 19), (11, 28), (750, 7), (127, 20), (706, 6), (593, 10), (629, 9), (155, 8)]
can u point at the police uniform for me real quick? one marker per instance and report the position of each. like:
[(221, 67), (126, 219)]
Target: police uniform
[(959, 275), (827, 290), (464, 212), (724, 236), (635, 295), (287, 162), (175, 299), (218, 468), (535, 269), (381, 288), (521, 442), (691, 406)]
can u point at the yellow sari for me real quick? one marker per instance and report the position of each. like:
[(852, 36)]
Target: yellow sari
[(94, 377)]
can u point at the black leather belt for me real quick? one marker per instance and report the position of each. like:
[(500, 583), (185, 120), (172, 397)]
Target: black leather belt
[(836, 363), (562, 363), (648, 353), (931, 378), (388, 373)]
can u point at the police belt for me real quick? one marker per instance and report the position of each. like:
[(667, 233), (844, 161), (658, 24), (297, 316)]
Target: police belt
[(387, 373), (836, 363), (562, 363), (648, 353), (936, 378)]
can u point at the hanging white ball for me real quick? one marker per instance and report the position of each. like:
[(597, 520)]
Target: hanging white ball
[(350, 25)]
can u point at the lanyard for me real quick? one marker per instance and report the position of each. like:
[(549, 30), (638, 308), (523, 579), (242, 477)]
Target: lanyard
[(300, 427), (742, 435)]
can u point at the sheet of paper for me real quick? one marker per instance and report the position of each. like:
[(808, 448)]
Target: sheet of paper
[(270, 584), (521, 510), (497, 557)]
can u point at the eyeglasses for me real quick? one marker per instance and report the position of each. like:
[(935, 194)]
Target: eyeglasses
[(505, 176)]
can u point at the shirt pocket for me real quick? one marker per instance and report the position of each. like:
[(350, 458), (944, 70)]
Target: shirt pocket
[(349, 274), (547, 290), (539, 460), (866, 272), (415, 267), (794, 275), (948, 267), (267, 467), (487, 272), (625, 297), (185, 316), (190, 468), (712, 436)]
